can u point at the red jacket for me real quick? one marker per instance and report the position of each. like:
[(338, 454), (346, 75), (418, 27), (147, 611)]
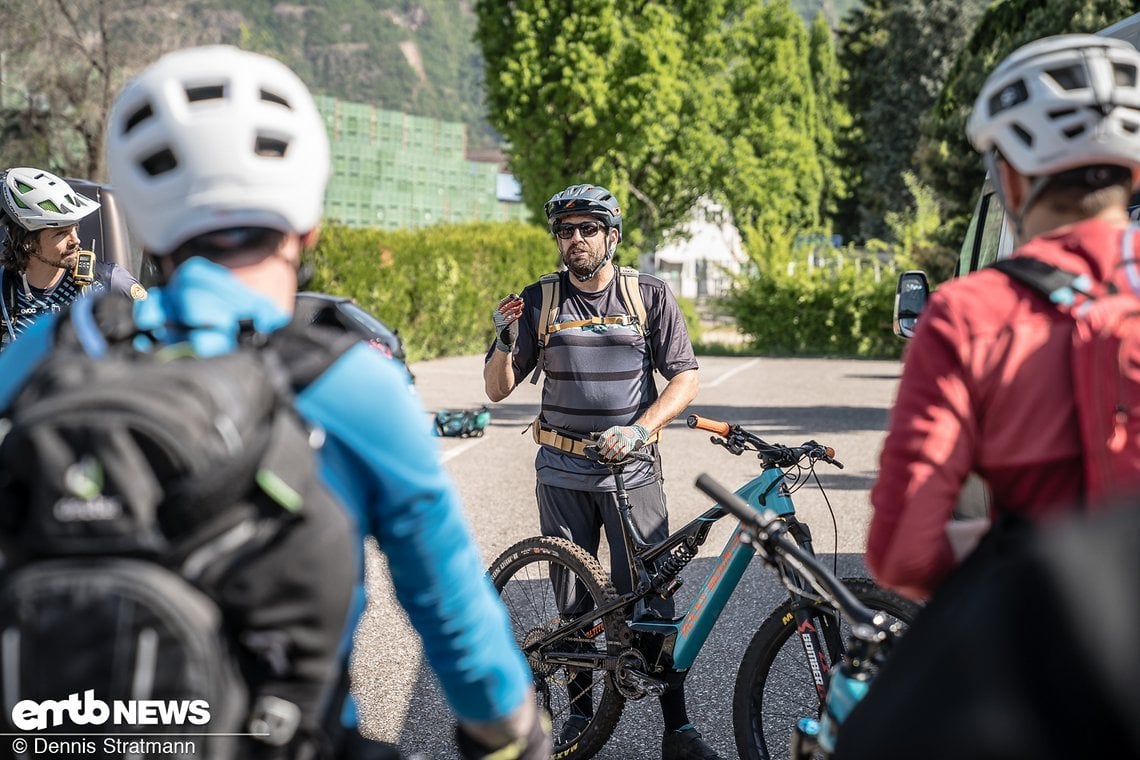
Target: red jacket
[(985, 388)]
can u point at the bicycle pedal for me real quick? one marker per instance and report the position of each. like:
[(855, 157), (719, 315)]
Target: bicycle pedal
[(652, 686)]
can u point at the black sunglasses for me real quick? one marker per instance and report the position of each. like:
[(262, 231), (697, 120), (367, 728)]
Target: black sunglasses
[(566, 231)]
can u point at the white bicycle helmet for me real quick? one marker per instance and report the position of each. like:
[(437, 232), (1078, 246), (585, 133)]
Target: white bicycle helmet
[(213, 138), (1059, 103), (36, 199)]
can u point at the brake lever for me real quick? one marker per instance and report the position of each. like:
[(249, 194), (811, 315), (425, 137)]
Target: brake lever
[(823, 453), (733, 446)]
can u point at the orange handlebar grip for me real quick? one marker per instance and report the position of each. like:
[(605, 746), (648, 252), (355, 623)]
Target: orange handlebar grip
[(713, 426)]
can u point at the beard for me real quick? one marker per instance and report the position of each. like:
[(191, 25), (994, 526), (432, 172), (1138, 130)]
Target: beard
[(580, 265), (67, 261)]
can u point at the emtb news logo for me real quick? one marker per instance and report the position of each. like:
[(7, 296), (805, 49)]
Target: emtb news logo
[(29, 715)]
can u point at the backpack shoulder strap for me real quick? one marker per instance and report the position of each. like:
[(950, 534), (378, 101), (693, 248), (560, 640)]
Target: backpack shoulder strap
[(1059, 286), (95, 323), (307, 350), (8, 302), (9, 293), (547, 313), (631, 294)]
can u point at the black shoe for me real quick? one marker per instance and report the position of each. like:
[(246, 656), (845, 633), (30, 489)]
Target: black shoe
[(686, 744), (572, 729)]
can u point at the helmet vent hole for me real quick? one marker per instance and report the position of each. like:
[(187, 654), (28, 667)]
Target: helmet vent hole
[(1008, 97), (206, 92), (1025, 136), (270, 146), (160, 163), (1070, 78), (1062, 113), (1130, 127), (274, 98), (1124, 75), (1072, 132), (137, 118)]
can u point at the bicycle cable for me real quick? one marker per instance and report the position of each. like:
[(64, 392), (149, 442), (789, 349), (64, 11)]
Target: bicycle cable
[(834, 524)]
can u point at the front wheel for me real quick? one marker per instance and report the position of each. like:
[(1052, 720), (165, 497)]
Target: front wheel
[(775, 685), (545, 582)]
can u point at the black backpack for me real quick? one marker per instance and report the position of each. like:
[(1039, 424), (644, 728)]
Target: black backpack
[(157, 509), (1025, 652)]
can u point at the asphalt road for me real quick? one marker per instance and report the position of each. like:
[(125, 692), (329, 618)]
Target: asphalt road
[(840, 403)]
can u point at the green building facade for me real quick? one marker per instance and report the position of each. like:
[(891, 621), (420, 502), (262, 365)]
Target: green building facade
[(397, 171)]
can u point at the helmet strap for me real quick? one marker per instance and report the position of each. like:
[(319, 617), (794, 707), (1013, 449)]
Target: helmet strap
[(594, 272)]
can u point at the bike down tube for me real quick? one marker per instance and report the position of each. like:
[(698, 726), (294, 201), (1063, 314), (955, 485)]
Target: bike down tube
[(765, 492)]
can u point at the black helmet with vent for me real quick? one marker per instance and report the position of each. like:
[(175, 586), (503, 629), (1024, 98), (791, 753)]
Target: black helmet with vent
[(589, 200)]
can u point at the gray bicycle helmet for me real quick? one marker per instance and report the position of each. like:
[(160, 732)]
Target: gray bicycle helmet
[(36, 200), (591, 200)]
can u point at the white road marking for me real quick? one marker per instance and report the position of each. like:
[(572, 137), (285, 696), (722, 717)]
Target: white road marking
[(730, 373), (452, 453)]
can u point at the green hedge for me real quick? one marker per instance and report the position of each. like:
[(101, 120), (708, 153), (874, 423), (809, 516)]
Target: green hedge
[(819, 313), (436, 285)]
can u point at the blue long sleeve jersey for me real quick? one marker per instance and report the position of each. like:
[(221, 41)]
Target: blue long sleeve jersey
[(381, 460)]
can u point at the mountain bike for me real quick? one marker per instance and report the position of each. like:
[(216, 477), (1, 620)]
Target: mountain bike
[(589, 646)]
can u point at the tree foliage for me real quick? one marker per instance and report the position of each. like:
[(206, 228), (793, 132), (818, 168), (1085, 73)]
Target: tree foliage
[(777, 178), (945, 160), (663, 102), (63, 63), (621, 94), (898, 54), (833, 117)]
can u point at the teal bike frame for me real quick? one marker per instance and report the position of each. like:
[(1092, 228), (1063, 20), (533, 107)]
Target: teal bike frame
[(766, 492)]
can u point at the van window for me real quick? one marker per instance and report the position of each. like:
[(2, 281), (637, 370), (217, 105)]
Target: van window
[(988, 237), (996, 241)]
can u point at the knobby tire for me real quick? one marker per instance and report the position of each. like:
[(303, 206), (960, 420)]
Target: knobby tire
[(774, 686), (521, 575)]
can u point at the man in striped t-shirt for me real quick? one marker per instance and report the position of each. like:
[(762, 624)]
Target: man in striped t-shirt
[(599, 380)]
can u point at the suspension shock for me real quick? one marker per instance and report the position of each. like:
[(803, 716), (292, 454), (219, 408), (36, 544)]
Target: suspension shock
[(666, 582)]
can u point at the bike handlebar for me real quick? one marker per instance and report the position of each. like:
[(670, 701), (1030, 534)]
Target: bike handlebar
[(766, 530), (735, 440)]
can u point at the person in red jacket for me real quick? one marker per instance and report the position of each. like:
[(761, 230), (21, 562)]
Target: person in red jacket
[(986, 385)]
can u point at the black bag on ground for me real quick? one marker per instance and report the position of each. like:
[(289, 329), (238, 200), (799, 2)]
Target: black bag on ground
[(1027, 652), (167, 541)]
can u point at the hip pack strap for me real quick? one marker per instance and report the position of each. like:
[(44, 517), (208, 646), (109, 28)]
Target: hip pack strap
[(546, 436)]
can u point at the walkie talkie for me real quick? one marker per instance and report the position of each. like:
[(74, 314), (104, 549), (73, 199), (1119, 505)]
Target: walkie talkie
[(84, 271)]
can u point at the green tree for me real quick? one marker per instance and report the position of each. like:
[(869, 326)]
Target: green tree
[(62, 65), (833, 119), (625, 94), (776, 185), (898, 54), (945, 159)]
